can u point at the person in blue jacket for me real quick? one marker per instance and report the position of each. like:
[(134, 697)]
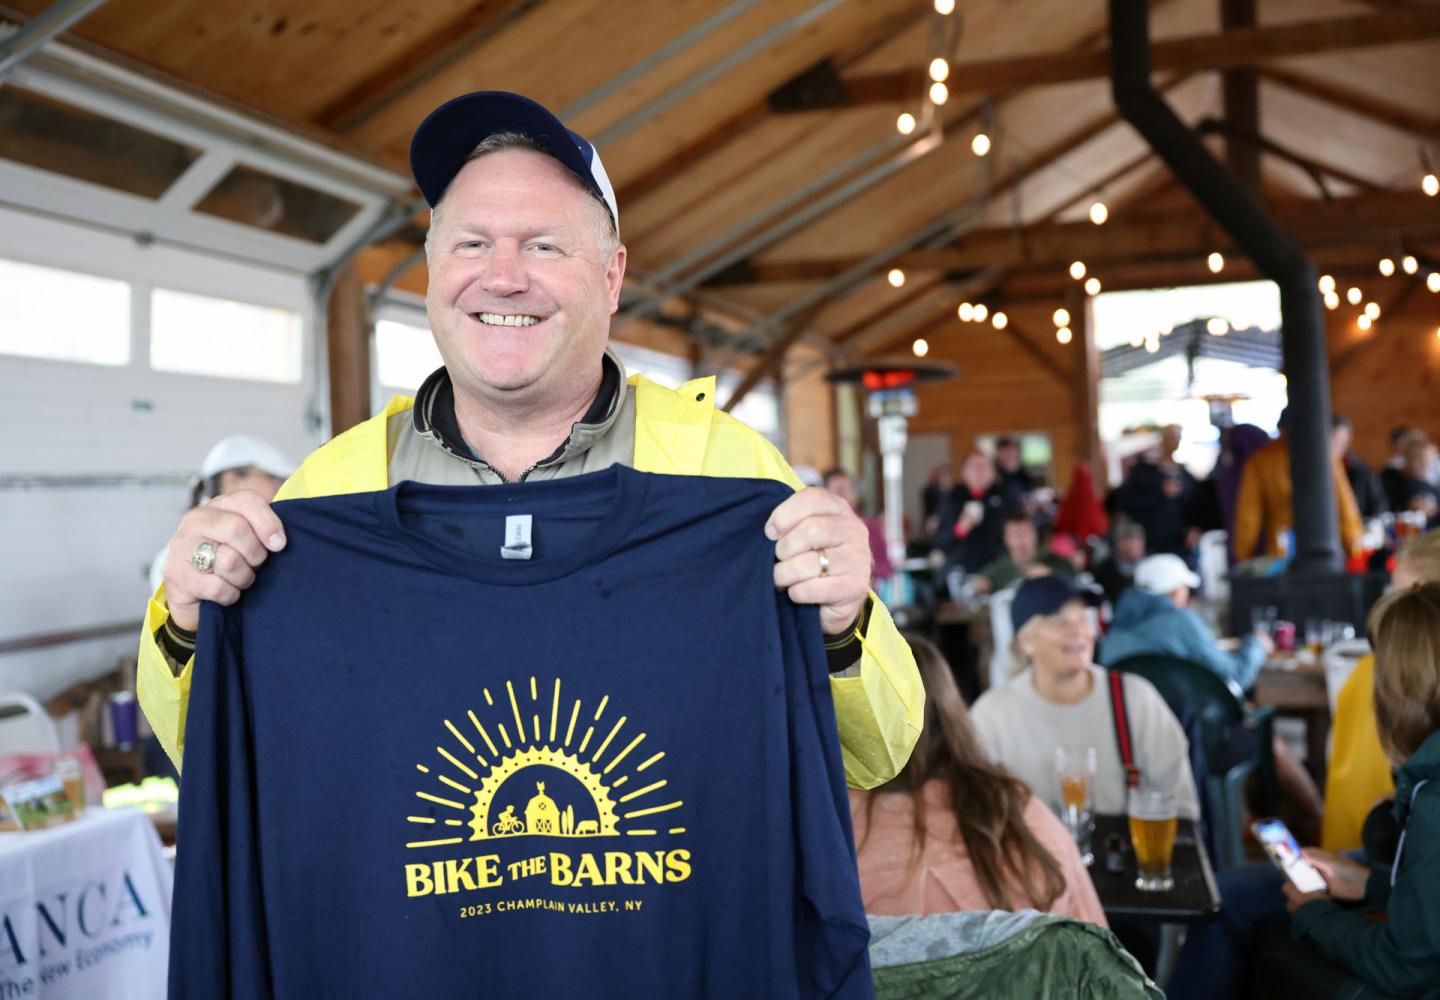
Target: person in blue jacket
[(1154, 616)]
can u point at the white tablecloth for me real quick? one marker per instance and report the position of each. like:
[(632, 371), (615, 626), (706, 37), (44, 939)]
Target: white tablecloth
[(85, 910)]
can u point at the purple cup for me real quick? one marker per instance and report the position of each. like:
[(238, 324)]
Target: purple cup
[(123, 719)]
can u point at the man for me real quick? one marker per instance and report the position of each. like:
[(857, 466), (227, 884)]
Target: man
[(1022, 558), (1369, 494), (1009, 468), (1263, 514), (1117, 572), (1157, 494), (971, 517), (526, 266)]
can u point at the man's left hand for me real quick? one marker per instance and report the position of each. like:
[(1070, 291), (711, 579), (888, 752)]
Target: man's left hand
[(812, 524)]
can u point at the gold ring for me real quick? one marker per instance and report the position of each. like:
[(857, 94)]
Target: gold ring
[(824, 562)]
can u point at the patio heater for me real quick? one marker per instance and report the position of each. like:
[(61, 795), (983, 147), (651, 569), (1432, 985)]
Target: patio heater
[(890, 384)]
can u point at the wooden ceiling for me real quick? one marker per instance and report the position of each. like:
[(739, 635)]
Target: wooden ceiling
[(708, 148)]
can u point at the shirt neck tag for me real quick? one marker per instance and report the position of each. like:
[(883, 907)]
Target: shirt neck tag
[(517, 537)]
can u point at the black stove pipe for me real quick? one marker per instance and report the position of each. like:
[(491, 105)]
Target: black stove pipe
[(1317, 543)]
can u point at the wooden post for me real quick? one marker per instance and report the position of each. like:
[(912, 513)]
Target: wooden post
[(348, 349), (1086, 395)]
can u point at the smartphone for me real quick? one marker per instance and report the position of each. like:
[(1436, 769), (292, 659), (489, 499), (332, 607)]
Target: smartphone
[(1284, 850)]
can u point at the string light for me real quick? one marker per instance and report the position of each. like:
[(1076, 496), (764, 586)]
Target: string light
[(1099, 213), (1409, 264), (945, 7), (921, 347), (1152, 345), (1364, 322), (1437, 333), (999, 321), (1372, 310), (1332, 301), (980, 145), (1061, 317), (1138, 340), (1430, 184), (1327, 284), (1092, 286), (966, 312), (939, 93), (939, 70), (1216, 262), (896, 277), (905, 124), (1352, 295), (1217, 327), (1077, 269), (1387, 266), (1064, 335), (981, 312), (1432, 281)]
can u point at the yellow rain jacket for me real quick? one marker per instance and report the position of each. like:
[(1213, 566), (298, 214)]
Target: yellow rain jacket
[(879, 709), (1359, 772)]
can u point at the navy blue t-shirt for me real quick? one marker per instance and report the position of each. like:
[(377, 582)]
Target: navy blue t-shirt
[(437, 750)]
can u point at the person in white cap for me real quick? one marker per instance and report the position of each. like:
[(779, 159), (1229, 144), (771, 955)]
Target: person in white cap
[(525, 270), (238, 462), (1154, 616)]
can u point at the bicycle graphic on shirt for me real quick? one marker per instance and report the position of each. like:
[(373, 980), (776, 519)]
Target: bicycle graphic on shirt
[(507, 823)]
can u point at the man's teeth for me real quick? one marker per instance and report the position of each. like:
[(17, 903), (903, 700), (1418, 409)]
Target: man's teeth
[(499, 319)]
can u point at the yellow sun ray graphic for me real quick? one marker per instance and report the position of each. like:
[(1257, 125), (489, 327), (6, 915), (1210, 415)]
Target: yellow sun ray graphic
[(516, 792)]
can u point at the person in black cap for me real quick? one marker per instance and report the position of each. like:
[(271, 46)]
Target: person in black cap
[(525, 270), (1061, 699)]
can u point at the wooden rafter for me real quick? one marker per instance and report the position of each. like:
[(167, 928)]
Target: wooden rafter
[(420, 62), (1223, 50), (1422, 126)]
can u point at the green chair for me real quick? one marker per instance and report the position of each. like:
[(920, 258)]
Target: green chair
[(1216, 707)]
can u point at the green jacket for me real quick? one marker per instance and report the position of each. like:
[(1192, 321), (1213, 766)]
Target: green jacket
[(1391, 944)]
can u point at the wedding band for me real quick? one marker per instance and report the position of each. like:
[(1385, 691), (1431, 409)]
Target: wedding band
[(204, 557), (824, 562)]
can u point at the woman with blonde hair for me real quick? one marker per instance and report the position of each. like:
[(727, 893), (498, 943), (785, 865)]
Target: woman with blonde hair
[(955, 831)]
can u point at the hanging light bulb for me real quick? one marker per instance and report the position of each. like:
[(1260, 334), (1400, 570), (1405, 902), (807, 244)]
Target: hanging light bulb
[(945, 7), (1432, 281), (921, 347), (1364, 322), (1353, 296), (1327, 284), (1099, 213), (1437, 333), (1332, 301), (939, 93), (1387, 266), (1138, 340), (1064, 335), (1061, 317), (905, 124), (896, 277), (1077, 269), (980, 145), (966, 312), (1430, 184), (939, 70), (1215, 262), (1152, 344), (1217, 327), (999, 321), (981, 312), (1092, 286), (1372, 310), (1409, 264)]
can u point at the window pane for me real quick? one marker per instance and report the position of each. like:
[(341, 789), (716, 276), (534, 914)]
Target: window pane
[(40, 316), (405, 355), (63, 139), (199, 335), (264, 201)]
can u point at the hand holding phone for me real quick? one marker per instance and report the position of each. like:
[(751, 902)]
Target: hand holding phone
[(1282, 847)]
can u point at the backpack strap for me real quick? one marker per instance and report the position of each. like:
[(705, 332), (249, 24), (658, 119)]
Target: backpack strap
[(1123, 739)]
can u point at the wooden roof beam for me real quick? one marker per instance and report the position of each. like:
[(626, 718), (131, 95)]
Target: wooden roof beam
[(1402, 119), (1224, 50)]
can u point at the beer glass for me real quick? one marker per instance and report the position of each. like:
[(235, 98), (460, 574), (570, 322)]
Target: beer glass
[(72, 776), (1075, 774), (1152, 833)]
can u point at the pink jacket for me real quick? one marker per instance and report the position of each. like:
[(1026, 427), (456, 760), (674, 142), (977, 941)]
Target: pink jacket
[(943, 880)]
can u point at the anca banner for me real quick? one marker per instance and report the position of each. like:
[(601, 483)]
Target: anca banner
[(85, 910)]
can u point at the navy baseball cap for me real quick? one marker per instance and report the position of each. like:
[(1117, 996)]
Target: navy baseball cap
[(1045, 595), (445, 139)]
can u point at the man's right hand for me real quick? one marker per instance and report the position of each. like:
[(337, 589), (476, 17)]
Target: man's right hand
[(244, 531)]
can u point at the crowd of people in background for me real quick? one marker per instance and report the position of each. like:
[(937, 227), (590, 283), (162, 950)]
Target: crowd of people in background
[(1095, 581)]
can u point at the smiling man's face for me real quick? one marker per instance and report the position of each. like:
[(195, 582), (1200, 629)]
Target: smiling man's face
[(521, 289)]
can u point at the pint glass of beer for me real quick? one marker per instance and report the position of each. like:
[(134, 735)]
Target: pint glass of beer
[(1152, 832), (1074, 774)]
